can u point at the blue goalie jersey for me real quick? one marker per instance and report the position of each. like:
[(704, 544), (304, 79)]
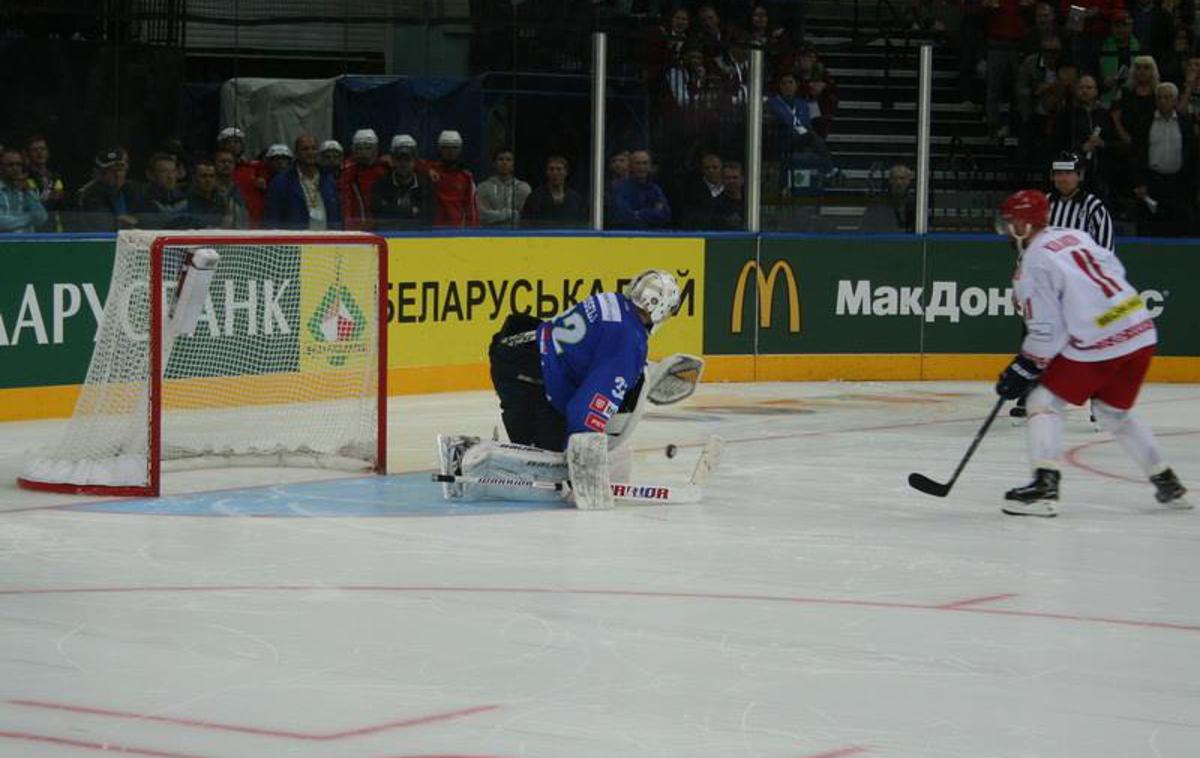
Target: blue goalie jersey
[(592, 355)]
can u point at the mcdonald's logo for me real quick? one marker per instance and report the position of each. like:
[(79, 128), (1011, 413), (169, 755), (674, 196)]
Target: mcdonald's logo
[(766, 295)]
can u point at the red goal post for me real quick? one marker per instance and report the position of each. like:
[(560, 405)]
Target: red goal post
[(277, 356)]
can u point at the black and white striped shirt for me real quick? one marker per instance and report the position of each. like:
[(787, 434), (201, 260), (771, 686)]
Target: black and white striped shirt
[(1085, 212)]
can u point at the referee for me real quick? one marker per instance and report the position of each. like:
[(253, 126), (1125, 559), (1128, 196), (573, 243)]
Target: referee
[(1073, 207)]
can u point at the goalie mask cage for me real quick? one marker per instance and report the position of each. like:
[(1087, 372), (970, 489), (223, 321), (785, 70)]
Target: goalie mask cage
[(284, 362)]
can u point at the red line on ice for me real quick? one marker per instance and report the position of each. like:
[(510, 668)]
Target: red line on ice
[(1072, 456), (105, 747), (974, 601), (743, 597), (283, 734), (845, 752)]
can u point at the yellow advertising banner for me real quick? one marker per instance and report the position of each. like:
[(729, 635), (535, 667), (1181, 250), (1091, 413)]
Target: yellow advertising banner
[(448, 296), (336, 284)]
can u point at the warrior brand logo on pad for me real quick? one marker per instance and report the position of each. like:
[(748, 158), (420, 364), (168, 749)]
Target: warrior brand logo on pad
[(642, 491)]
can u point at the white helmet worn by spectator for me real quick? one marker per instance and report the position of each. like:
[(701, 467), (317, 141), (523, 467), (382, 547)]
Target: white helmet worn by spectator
[(365, 137), (404, 142), (656, 293), (331, 144), (450, 138), (279, 150)]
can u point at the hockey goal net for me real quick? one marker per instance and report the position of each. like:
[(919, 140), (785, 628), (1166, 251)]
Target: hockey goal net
[(269, 350)]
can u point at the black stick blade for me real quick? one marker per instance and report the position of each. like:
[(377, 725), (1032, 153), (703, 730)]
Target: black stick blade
[(924, 484), (443, 478)]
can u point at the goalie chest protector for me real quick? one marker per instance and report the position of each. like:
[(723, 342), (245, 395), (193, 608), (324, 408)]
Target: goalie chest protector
[(592, 356)]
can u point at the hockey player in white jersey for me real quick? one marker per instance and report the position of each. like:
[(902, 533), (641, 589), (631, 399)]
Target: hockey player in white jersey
[(1090, 336)]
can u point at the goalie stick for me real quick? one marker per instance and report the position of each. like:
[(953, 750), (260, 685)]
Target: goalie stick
[(635, 492), (937, 489), (624, 491)]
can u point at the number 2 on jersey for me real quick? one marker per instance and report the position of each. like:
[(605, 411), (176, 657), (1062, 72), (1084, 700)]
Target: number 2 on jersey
[(571, 330)]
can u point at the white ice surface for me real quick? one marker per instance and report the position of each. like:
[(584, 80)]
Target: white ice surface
[(813, 605)]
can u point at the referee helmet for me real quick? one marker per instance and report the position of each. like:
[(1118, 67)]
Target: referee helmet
[(1067, 161)]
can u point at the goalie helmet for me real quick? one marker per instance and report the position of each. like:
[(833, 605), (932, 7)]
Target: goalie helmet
[(656, 293)]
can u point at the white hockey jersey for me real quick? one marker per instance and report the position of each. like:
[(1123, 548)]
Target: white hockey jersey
[(1076, 301)]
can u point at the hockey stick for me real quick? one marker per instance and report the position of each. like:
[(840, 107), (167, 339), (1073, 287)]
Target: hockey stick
[(930, 487), (625, 491), (692, 492), (710, 458)]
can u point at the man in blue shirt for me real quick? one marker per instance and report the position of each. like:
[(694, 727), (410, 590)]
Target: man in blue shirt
[(566, 376), (639, 203)]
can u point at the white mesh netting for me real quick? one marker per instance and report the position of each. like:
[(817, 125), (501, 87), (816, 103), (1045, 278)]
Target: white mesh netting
[(281, 368)]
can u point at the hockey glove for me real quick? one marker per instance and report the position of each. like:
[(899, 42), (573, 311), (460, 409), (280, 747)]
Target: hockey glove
[(1018, 378)]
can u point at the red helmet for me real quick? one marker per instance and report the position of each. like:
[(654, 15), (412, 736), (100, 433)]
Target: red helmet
[(1030, 206)]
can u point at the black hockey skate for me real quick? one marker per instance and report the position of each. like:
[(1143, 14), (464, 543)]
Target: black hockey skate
[(1037, 498), (1169, 490)]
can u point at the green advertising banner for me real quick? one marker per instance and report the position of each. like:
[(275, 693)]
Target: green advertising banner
[(775, 295), (1168, 276), (813, 295), (862, 295), (51, 295)]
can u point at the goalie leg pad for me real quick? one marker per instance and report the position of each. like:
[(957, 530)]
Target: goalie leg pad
[(506, 460), (587, 459), (451, 449)]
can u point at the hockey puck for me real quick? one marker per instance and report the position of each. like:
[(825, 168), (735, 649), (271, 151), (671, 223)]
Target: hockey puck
[(671, 450)]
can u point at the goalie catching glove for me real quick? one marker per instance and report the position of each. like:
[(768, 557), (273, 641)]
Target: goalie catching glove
[(669, 381)]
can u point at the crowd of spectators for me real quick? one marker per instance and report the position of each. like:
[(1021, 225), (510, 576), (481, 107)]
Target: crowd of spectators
[(306, 185), (696, 69), (310, 185), (1115, 81)]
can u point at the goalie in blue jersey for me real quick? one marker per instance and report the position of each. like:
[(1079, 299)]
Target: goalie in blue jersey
[(571, 391)]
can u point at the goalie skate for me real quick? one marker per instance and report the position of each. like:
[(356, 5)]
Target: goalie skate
[(451, 448)]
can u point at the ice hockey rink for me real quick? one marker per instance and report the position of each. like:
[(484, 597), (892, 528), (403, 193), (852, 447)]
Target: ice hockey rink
[(812, 606)]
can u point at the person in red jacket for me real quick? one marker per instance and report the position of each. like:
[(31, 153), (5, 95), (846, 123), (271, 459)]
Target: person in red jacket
[(249, 176), (453, 185), (358, 178)]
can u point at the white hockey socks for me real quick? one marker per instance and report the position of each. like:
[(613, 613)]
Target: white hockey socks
[(1044, 428), (1134, 437)]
